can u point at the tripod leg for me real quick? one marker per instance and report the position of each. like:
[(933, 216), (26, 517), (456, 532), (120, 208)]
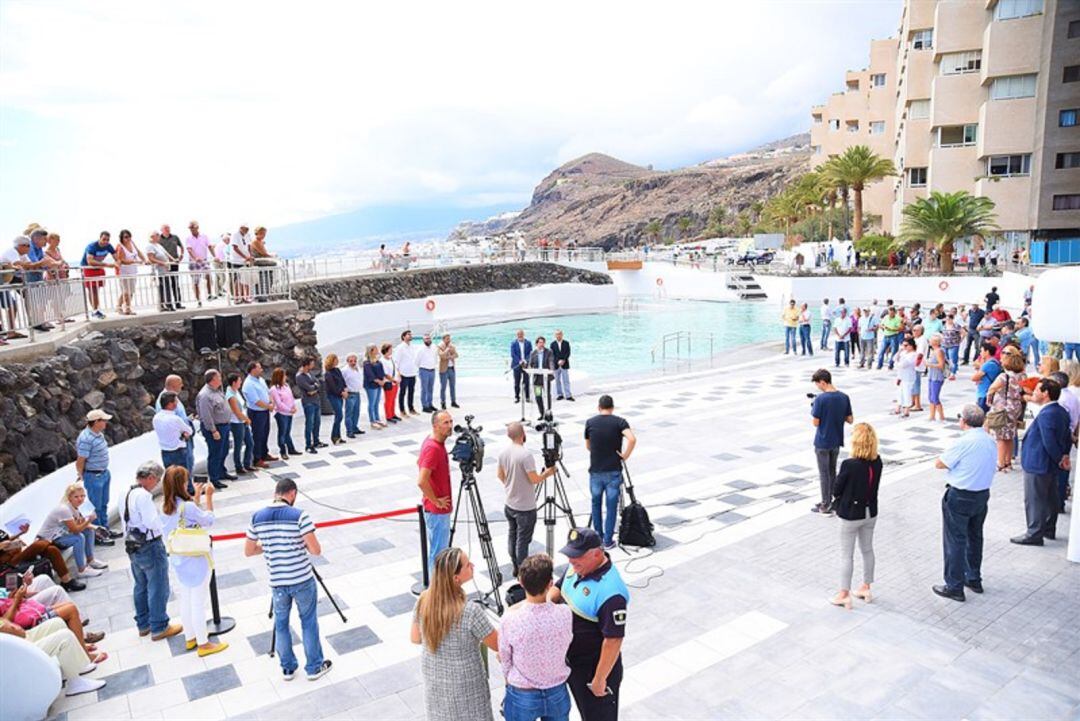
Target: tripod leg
[(560, 489), (273, 629), (486, 547)]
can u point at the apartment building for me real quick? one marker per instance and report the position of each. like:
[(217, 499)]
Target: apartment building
[(976, 95)]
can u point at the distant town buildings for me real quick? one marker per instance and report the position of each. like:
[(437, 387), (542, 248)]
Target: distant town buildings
[(975, 95)]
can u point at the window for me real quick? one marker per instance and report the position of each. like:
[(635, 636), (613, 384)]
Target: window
[(815, 149), (853, 86), (852, 126), (1071, 74), (877, 80), (1067, 118), (1013, 86), (956, 135), (916, 177), (922, 40), (1009, 9), (1003, 166), (877, 127), (1067, 202), (817, 120), (919, 109), (834, 124), (956, 63), (1067, 160), (1074, 29)]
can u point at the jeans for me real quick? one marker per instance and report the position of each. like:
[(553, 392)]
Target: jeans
[(373, 395), (150, 569), (1033, 351), (81, 544), (604, 487), (562, 383), (804, 340), (449, 377), (529, 704), (427, 388), (826, 326), (850, 531), (1071, 350), (826, 465), (889, 344), (312, 421), (520, 525), (284, 433), (260, 433), (972, 341), (952, 358), (963, 514), (438, 536), (791, 343), (97, 490), (842, 347), (352, 413), (175, 458), (916, 387), (337, 404), (216, 451), (305, 594), (406, 394), (243, 452)]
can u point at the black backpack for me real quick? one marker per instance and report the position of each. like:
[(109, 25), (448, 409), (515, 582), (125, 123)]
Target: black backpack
[(635, 528)]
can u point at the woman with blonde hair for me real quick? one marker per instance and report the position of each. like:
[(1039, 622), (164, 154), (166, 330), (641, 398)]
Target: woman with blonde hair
[(180, 510), (936, 363), (855, 501), (451, 631), (128, 260), (1006, 399), (336, 393), (374, 378), (66, 527)]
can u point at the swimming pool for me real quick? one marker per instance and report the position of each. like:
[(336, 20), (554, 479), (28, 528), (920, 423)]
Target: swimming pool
[(620, 342)]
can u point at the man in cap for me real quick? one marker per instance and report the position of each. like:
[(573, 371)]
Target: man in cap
[(199, 249), (35, 274), (92, 470), (597, 595), (13, 264), (239, 257)]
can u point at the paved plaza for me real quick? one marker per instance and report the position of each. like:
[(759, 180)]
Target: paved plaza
[(729, 615)]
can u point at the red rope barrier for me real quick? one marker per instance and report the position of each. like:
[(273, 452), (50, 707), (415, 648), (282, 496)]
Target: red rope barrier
[(328, 524)]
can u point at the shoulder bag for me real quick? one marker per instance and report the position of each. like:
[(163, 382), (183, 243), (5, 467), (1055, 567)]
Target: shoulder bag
[(188, 541), (998, 418)]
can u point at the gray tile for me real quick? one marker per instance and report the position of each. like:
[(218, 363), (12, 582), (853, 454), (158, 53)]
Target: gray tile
[(207, 683), (260, 642), (928, 449), (757, 449), (736, 499), (177, 644), (357, 464), (291, 474), (373, 546), (665, 424), (794, 468), (396, 605), (342, 454), (236, 578), (411, 442), (316, 464), (324, 607), (670, 521), (740, 484), (725, 456), (663, 542), (684, 503), (123, 682), (353, 639), (382, 453), (728, 517)]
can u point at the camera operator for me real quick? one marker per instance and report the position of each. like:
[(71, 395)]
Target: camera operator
[(604, 434), (434, 483), (517, 471)]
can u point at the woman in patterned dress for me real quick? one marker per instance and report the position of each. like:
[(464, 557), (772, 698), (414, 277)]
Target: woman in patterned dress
[(1007, 392), (451, 631)]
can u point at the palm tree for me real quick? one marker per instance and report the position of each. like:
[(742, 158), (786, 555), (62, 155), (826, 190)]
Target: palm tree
[(684, 225), (652, 229), (854, 169), (944, 217)]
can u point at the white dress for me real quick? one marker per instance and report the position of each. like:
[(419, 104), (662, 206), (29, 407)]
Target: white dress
[(905, 373)]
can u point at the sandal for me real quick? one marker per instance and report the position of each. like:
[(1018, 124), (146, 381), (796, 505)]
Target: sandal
[(100, 658)]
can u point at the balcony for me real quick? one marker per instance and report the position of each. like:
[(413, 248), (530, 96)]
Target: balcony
[(922, 13), (956, 99), (1012, 199), (953, 169), (920, 75), (1011, 47), (958, 27), (1005, 126)]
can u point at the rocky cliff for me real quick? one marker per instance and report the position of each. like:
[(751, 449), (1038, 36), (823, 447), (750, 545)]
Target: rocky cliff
[(599, 200)]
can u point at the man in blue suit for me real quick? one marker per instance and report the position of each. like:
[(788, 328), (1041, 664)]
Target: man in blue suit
[(520, 350), (1045, 449)]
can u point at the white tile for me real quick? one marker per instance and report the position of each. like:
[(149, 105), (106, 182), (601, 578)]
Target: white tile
[(204, 709), (154, 699), (248, 697), (114, 708)]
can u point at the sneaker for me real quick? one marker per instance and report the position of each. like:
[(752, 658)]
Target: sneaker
[(99, 565), (94, 636), (288, 675), (610, 545), (100, 316), (79, 685), (115, 534), (74, 585), (323, 670), (89, 572)]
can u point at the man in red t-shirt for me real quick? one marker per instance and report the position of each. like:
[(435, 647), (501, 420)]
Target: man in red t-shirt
[(434, 484)]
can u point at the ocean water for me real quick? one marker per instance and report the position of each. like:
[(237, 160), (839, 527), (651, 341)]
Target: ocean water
[(622, 342)]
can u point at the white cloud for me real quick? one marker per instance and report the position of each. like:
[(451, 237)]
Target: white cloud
[(132, 113)]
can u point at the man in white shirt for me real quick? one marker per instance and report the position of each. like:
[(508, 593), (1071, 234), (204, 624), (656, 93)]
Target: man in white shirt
[(826, 323), (427, 361), (354, 386), (239, 258), (405, 358), (172, 433), (922, 345), (149, 563), (13, 258), (198, 248)]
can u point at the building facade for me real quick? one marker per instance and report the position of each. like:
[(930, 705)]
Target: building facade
[(975, 95)]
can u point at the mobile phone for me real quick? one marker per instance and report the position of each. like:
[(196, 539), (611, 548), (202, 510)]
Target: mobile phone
[(607, 689), (11, 582)]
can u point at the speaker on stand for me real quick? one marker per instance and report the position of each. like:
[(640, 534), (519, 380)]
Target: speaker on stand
[(230, 330), (204, 335)]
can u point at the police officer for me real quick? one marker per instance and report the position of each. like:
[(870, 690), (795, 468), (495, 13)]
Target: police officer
[(597, 595)]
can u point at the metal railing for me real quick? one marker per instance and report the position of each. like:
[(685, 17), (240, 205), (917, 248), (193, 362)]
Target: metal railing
[(677, 349), (27, 309)]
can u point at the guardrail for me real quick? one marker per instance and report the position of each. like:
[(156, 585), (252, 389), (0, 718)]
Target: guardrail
[(677, 348)]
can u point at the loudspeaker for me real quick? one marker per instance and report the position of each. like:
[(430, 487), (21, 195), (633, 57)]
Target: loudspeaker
[(230, 329), (203, 333)]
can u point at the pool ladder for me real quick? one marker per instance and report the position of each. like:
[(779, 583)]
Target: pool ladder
[(676, 349)]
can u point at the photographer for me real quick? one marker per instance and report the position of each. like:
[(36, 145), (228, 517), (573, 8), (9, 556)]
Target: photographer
[(604, 434), (517, 471), (434, 483), (172, 433)]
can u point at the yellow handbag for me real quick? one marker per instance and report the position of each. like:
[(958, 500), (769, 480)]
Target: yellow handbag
[(188, 541)]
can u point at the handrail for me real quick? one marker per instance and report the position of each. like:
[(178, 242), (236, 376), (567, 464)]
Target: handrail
[(679, 338)]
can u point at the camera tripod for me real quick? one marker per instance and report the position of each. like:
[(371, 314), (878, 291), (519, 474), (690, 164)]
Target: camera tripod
[(555, 502), (468, 489), (273, 629)]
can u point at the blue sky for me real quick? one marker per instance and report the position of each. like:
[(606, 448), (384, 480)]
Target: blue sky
[(132, 114)]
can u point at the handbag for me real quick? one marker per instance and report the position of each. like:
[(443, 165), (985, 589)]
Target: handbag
[(188, 541), (998, 418)]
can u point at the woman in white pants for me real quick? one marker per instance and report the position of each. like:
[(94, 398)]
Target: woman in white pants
[(192, 572)]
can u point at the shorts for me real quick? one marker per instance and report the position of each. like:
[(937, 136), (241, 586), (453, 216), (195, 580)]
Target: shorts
[(93, 273), (935, 392), (7, 299), (199, 266)]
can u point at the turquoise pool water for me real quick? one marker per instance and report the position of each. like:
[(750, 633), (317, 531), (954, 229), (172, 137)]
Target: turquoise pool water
[(619, 343)]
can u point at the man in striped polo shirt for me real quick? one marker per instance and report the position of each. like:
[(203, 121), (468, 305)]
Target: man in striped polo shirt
[(285, 536)]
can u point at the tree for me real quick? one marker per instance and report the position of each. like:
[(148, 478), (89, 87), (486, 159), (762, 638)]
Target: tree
[(743, 224), (944, 217), (684, 225), (652, 229), (854, 169), (717, 222)]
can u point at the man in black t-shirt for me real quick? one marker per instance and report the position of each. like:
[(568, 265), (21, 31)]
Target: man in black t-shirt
[(604, 434)]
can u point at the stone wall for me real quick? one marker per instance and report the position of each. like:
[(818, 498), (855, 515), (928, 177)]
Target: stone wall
[(43, 404), (324, 295)]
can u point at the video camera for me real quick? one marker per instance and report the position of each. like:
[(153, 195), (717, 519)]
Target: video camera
[(551, 441), (468, 449)]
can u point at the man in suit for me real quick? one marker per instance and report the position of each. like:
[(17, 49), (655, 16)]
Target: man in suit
[(561, 350), (541, 358), (520, 351), (1045, 449)]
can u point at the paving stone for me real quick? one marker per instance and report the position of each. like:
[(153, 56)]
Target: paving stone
[(757, 449), (736, 499), (353, 639), (342, 454), (236, 578), (740, 485), (122, 682), (726, 456), (323, 607), (384, 453), (671, 521), (260, 642), (728, 517), (374, 545), (361, 463), (208, 683), (795, 468), (396, 605), (316, 464)]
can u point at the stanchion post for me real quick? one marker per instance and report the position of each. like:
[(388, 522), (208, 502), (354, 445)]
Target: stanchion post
[(419, 586), (218, 624)]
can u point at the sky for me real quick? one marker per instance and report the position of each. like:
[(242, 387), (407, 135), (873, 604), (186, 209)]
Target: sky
[(131, 114)]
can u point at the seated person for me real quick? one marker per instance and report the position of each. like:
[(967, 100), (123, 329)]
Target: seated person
[(17, 556), (60, 643), (28, 614)]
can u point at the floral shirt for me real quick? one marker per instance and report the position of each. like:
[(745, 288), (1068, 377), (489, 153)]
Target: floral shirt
[(533, 642)]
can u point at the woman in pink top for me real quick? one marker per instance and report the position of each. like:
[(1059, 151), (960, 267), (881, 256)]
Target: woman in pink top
[(284, 409), (533, 641)]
